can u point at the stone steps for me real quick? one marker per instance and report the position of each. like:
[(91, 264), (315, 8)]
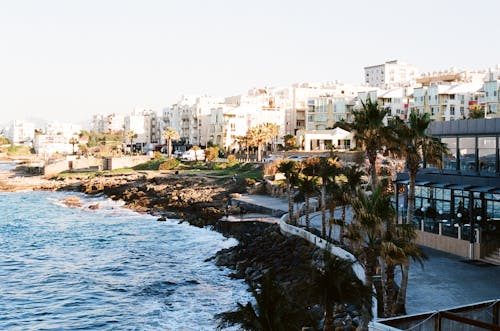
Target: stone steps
[(493, 257)]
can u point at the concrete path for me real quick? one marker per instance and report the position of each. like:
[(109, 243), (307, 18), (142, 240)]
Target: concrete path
[(446, 281)]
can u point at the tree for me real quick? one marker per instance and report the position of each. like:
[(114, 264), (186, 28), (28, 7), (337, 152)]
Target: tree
[(327, 169), (352, 176), (365, 233), (170, 135), (290, 142), (414, 145), (370, 133), (73, 141), (307, 185), (336, 283), (291, 172), (273, 310), (273, 131), (476, 111), (131, 135), (261, 134), (196, 149)]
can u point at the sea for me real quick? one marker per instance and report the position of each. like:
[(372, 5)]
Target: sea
[(111, 268)]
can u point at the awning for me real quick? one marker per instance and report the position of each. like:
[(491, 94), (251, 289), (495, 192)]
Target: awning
[(402, 181), (440, 185), (460, 187), (484, 189), (422, 183)]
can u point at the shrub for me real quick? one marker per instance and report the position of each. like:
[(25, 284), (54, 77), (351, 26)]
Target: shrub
[(169, 164), (211, 153), (150, 165), (231, 159)]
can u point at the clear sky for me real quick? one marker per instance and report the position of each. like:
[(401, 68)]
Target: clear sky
[(68, 59)]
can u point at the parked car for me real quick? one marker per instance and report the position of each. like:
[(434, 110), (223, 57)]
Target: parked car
[(193, 155)]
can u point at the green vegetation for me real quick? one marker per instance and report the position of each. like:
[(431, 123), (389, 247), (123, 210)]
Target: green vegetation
[(153, 164), (18, 150), (91, 174), (169, 164)]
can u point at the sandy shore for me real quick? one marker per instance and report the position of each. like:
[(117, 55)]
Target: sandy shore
[(11, 181)]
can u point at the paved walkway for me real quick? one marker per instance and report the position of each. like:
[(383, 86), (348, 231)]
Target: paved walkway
[(445, 281)]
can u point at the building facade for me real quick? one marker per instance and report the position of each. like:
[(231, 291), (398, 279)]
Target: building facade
[(457, 209)]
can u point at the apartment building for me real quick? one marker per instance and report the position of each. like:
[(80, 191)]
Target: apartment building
[(21, 132), (146, 124), (447, 101), (112, 123), (391, 74), (492, 93)]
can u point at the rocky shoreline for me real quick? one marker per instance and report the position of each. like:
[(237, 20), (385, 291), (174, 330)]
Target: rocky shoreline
[(201, 201)]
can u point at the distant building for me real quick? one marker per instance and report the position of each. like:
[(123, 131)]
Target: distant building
[(111, 123), (146, 124), (391, 74), (21, 133)]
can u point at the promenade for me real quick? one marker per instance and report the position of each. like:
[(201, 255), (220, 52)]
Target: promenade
[(445, 280)]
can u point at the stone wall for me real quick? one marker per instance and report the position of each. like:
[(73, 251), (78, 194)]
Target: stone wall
[(112, 163)]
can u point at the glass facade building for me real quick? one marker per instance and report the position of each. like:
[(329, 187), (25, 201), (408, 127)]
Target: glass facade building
[(462, 200)]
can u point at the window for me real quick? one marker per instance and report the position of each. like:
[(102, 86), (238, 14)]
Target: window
[(452, 110), (494, 93), (452, 96), (487, 154), (450, 162), (467, 147)]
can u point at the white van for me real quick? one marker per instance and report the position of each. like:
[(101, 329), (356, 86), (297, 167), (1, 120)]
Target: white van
[(193, 155)]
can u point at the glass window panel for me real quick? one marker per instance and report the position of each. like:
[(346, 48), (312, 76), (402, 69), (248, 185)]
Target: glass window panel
[(487, 154), (450, 162), (467, 147)]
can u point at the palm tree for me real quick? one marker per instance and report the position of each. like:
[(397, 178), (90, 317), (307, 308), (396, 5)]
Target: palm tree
[(130, 135), (273, 131), (370, 133), (73, 141), (350, 186), (291, 171), (260, 135), (406, 240), (365, 233), (307, 185), (328, 168), (336, 283), (414, 144), (170, 135), (273, 310)]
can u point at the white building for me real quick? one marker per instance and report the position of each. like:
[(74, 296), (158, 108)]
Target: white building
[(46, 145), (21, 133), (391, 74), (492, 93), (146, 124), (112, 123)]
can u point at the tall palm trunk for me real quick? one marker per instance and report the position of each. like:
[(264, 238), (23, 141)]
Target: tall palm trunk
[(388, 287), (372, 158), (400, 305), (323, 210), (306, 205), (411, 197), (328, 324), (290, 202), (169, 148), (342, 225)]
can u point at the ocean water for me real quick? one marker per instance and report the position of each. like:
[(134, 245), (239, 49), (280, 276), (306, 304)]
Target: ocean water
[(107, 269)]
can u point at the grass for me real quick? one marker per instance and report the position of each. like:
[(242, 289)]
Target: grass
[(91, 174)]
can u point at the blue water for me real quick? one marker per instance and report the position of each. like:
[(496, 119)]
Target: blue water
[(106, 269), (7, 165)]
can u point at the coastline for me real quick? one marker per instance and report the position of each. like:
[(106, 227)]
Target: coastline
[(201, 201)]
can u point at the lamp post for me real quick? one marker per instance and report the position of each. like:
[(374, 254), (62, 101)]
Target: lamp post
[(422, 225)]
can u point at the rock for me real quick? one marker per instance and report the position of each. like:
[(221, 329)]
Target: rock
[(162, 219), (72, 202), (95, 206)]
